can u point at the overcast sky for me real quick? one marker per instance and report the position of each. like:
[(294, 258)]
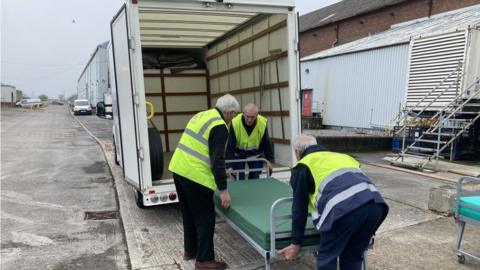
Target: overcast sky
[(45, 44)]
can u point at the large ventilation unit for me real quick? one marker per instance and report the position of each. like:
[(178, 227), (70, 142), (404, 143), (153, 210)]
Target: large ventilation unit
[(441, 66)]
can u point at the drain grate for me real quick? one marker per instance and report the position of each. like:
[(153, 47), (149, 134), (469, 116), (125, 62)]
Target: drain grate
[(101, 215)]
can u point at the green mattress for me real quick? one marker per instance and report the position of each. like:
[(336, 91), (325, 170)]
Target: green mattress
[(250, 211), (468, 212)]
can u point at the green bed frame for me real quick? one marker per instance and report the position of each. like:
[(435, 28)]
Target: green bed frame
[(261, 209), (250, 211), (260, 212)]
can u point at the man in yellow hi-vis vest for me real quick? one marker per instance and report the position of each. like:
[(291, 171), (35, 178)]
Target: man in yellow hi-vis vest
[(248, 138), (346, 207), (198, 166)]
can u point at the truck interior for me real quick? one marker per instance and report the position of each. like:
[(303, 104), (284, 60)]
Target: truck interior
[(192, 57)]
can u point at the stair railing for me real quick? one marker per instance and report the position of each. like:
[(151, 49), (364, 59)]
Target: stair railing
[(427, 95)]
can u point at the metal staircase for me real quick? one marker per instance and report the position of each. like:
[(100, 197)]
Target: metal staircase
[(445, 126)]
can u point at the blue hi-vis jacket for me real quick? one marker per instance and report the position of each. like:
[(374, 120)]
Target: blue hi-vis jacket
[(328, 205)]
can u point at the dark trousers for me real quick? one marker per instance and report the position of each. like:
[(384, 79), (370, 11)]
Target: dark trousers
[(251, 165), (198, 212), (349, 238)]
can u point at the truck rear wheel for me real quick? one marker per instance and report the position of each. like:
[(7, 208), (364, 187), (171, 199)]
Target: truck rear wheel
[(156, 153), (139, 199)]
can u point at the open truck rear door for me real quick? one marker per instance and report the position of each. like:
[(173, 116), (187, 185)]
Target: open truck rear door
[(132, 118)]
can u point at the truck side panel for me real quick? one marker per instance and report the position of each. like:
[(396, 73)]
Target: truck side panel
[(253, 65)]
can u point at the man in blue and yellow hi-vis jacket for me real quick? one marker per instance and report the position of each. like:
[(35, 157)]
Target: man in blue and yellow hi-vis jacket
[(346, 207), (198, 166), (248, 138)]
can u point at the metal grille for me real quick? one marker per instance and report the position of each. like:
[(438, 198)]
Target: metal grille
[(101, 215), (433, 61)]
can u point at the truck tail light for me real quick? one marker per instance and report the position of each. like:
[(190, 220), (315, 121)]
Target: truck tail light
[(172, 196)]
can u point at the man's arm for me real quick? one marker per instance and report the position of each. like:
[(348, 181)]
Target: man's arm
[(231, 144), (216, 143), (266, 146), (302, 183)]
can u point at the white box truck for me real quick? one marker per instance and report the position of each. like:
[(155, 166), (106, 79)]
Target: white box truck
[(181, 56)]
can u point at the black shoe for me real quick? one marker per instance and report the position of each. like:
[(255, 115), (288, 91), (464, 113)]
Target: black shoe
[(187, 256), (210, 265)]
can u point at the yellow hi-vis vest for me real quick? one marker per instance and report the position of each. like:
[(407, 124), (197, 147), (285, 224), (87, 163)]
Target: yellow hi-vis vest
[(191, 157), (324, 167), (249, 142)]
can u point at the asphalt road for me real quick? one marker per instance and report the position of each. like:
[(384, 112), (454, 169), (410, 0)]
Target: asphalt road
[(52, 174)]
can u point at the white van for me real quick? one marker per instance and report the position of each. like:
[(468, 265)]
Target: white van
[(29, 102), (82, 106), (181, 56)]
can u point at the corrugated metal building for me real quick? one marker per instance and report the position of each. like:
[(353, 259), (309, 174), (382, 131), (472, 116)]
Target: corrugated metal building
[(362, 84), (94, 81), (358, 89)]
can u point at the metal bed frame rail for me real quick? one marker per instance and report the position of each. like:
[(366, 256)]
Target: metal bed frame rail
[(304, 249), (269, 254), (263, 170), (275, 236)]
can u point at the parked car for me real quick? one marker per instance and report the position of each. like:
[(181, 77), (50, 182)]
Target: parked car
[(56, 102), (82, 106), (28, 102)]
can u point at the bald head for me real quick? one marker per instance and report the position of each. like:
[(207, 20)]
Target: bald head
[(250, 112), (251, 108)]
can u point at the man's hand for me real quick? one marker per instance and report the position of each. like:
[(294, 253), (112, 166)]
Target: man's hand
[(270, 168), (230, 172), (290, 252), (225, 197)]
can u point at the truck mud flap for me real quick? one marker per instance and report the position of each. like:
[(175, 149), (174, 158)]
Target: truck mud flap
[(156, 153)]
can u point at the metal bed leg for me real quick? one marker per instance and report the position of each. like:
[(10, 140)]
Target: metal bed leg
[(365, 262), (460, 256), (460, 234), (267, 261)]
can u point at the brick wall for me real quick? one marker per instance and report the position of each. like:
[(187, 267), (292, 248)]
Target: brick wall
[(381, 20), (350, 29), (440, 6), (317, 40)]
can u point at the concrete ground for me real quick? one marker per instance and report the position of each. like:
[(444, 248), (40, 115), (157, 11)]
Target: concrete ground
[(412, 237), (52, 173)]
